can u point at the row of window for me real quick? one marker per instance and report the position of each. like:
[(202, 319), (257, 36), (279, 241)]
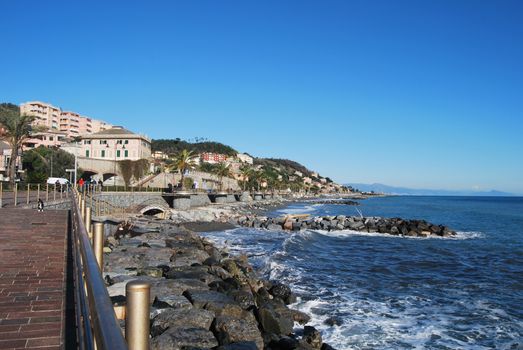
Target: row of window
[(104, 142), (103, 154)]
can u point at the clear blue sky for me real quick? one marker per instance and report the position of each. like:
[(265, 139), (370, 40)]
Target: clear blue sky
[(414, 93)]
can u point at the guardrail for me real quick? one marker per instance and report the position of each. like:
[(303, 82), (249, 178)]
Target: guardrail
[(97, 325)]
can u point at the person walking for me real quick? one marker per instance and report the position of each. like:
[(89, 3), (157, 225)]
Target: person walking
[(40, 205)]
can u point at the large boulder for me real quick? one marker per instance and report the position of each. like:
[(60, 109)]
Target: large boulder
[(274, 319), (230, 330), (209, 300), (184, 338), (181, 318), (282, 292), (243, 345), (312, 337), (199, 273)]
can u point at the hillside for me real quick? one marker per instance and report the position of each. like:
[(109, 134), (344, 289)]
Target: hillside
[(176, 145), (286, 166)]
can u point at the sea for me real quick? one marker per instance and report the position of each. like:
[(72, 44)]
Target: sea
[(376, 291)]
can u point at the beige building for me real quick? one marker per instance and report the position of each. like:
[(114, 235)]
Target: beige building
[(47, 139), (245, 158), (46, 114), (53, 118), (115, 144)]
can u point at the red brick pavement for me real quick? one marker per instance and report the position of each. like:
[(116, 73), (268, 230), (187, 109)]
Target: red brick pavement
[(32, 279)]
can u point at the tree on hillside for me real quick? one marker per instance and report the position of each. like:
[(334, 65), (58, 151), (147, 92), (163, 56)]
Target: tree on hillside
[(222, 170), (183, 161), (140, 167), (177, 145), (42, 162), (246, 173), (126, 170), (207, 168), (17, 128)]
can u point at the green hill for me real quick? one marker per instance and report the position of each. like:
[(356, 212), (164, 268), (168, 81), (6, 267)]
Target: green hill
[(176, 145)]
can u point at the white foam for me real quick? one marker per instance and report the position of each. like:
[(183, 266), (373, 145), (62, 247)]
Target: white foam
[(460, 235)]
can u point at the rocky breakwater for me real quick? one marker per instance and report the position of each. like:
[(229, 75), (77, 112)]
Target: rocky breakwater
[(392, 226), (333, 202), (202, 297)]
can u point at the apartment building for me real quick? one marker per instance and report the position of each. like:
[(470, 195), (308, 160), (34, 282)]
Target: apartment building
[(115, 144), (46, 115), (212, 158), (68, 122)]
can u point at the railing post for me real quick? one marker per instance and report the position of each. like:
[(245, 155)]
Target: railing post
[(82, 207), (16, 194), (61, 191), (1, 193), (38, 192), (28, 193), (47, 192), (87, 222), (54, 192), (137, 315), (99, 244)]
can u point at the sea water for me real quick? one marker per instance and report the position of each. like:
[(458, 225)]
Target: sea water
[(376, 291)]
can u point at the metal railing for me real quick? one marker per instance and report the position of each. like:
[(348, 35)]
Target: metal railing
[(28, 193), (97, 325)]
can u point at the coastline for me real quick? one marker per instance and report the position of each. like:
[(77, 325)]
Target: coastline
[(222, 298)]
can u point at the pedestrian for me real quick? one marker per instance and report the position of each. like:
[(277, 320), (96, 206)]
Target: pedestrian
[(40, 205), (81, 183)]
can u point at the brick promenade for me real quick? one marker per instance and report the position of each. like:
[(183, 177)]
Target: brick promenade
[(33, 253)]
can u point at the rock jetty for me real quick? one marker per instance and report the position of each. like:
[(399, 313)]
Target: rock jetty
[(333, 202), (392, 226), (202, 297)]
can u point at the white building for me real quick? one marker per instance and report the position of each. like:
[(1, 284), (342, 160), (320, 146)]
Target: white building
[(245, 158)]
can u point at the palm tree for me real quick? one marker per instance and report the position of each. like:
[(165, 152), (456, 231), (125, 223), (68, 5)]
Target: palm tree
[(246, 172), (17, 128), (183, 161), (222, 170)]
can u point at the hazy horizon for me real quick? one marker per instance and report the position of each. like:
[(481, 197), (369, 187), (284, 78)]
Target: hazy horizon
[(405, 93)]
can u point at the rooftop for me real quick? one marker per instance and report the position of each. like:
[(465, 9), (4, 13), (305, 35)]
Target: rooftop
[(115, 131)]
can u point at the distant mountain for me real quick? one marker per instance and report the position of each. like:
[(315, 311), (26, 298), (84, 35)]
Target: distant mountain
[(380, 188)]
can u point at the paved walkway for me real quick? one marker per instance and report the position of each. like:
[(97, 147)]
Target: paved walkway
[(33, 253)]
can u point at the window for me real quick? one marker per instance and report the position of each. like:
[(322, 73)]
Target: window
[(87, 153), (103, 142), (118, 142), (103, 153), (51, 138), (126, 153), (118, 153), (126, 142), (87, 142)]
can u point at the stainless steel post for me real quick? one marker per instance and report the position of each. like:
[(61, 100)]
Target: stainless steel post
[(137, 315)]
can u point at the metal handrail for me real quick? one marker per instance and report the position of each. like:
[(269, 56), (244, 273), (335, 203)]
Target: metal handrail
[(97, 320)]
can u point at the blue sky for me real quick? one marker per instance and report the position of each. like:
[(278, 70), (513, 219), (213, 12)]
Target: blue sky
[(410, 93)]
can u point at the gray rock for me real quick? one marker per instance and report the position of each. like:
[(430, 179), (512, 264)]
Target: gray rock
[(209, 300), (167, 287), (274, 321), (244, 345), (181, 318), (173, 301), (191, 272), (183, 338), (230, 330), (150, 271), (312, 336)]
